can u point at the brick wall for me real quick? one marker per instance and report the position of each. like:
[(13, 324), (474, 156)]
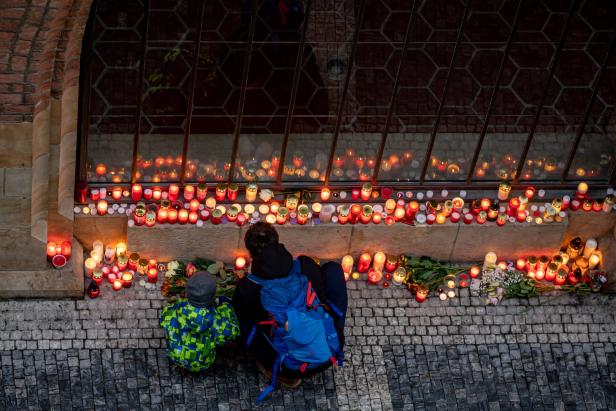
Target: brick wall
[(23, 25)]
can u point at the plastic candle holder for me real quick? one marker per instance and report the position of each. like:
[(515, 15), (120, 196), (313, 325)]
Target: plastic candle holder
[(221, 192), (475, 271), (174, 192), (364, 262), (201, 191), (232, 190), (374, 276), (391, 263), (366, 214), (325, 194), (399, 276), (503, 190), (347, 266), (101, 207), (303, 214), (421, 294)]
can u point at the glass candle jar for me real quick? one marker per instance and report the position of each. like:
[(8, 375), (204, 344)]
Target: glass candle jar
[(303, 214), (282, 215)]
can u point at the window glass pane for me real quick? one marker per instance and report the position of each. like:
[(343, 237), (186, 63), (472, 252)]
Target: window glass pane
[(370, 91), (523, 81), (219, 73), (426, 65), (270, 81), (323, 71), (570, 92), (114, 78), (169, 56)]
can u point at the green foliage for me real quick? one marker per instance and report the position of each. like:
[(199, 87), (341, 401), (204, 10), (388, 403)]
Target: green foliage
[(427, 272)]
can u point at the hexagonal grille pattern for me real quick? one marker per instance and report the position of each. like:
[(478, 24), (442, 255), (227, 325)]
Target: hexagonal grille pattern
[(353, 95)]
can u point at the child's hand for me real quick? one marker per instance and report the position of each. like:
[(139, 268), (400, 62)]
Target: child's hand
[(222, 299)]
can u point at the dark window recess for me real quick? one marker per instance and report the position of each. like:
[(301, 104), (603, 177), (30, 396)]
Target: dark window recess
[(422, 93)]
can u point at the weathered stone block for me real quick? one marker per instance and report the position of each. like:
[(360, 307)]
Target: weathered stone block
[(18, 182), (15, 212), (167, 242), (15, 145), (436, 241), (509, 241), (586, 224), (20, 251), (88, 229)]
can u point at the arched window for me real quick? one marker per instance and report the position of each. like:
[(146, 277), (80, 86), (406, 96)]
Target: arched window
[(300, 92)]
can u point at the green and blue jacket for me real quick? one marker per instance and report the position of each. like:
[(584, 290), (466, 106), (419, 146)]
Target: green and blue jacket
[(194, 333)]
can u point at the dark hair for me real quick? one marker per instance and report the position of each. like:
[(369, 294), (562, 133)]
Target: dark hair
[(259, 236)]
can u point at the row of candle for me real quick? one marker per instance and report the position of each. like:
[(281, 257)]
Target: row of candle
[(571, 264), (58, 253), (377, 267), (115, 264)]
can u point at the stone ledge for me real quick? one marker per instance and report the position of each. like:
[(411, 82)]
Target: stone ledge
[(48, 283)]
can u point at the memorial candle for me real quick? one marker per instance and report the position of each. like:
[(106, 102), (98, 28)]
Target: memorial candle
[(411, 209), (520, 264), (366, 214), (101, 207), (136, 192), (594, 261), (101, 169), (390, 205), (399, 276), (364, 262), (399, 213), (379, 261), (391, 263), (172, 216), (325, 194), (89, 265), (221, 192), (161, 216), (376, 218), (281, 216), (366, 191), (468, 218), (157, 194), (189, 192), (374, 276), (589, 247), (485, 204), (327, 211), (232, 190), (152, 275), (489, 262), (561, 277), (550, 273), (183, 216), (174, 192), (116, 285), (475, 271), (127, 279), (201, 191), (122, 262), (421, 294), (503, 190), (216, 216), (303, 213), (347, 266), (193, 217), (582, 189), (529, 193), (251, 192), (240, 263)]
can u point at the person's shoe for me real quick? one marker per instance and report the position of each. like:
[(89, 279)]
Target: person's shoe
[(291, 383)]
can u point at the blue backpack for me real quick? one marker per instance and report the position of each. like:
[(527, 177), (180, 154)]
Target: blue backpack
[(302, 331)]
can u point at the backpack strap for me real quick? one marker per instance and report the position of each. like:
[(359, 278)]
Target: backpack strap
[(310, 295), (272, 385)]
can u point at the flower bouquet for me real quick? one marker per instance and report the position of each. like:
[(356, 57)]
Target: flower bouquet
[(178, 273)]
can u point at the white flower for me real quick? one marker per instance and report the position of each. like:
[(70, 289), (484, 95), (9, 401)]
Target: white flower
[(173, 265), (169, 273)]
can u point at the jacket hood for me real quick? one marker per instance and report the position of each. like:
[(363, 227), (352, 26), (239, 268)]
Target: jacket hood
[(274, 262)]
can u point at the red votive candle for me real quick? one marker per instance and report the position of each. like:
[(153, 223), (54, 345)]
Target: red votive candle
[(136, 192), (421, 294), (204, 215), (194, 204), (520, 264), (95, 194), (355, 193), (183, 216), (377, 218), (116, 193), (475, 271), (232, 192), (468, 218), (193, 217), (116, 285), (189, 192), (521, 216), (454, 217), (241, 220), (240, 263), (147, 193), (411, 209), (101, 207), (172, 216), (391, 263), (157, 194), (364, 262), (430, 219), (152, 275), (221, 192), (482, 216), (374, 276), (174, 192), (162, 215)]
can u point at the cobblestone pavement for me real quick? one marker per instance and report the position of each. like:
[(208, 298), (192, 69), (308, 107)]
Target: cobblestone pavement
[(553, 353)]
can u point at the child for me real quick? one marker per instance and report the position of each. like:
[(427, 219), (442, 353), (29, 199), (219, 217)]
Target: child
[(197, 325)]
